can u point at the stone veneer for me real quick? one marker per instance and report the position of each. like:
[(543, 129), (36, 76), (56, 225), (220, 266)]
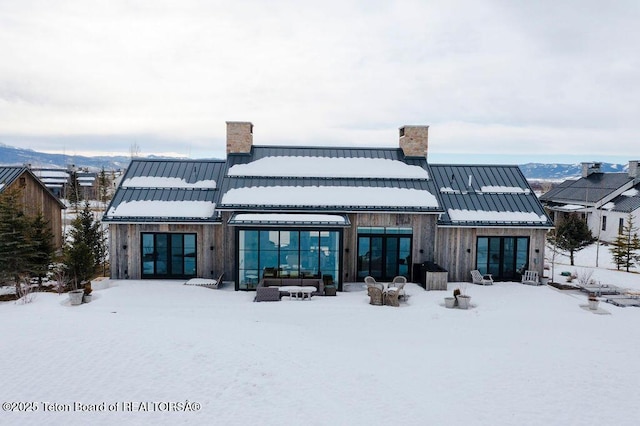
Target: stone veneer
[(239, 137), (414, 140)]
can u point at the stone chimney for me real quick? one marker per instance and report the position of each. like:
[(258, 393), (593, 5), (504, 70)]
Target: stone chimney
[(634, 172), (414, 140), (590, 168), (239, 137)]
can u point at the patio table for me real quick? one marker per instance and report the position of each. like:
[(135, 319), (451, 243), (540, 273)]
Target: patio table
[(298, 292)]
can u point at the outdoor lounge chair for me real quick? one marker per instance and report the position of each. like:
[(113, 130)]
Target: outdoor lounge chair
[(530, 278), (478, 278), (203, 282)]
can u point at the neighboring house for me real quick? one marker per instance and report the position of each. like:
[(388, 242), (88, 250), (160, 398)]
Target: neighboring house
[(59, 182), (36, 198), (604, 200), (314, 211)]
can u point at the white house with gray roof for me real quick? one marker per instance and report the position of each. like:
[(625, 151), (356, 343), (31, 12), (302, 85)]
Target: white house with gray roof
[(604, 200), (310, 212)]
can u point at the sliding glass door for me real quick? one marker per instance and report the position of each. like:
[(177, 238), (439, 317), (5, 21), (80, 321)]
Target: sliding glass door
[(503, 257), (168, 255)]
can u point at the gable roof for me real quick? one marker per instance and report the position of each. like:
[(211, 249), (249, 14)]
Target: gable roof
[(590, 190), (487, 195), (627, 202), (167, 191), (9, 174), (332, 179)]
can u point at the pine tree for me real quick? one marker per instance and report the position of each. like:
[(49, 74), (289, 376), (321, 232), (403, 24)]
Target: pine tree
[(41, 239), (103, 186), (87, 248), (74, 195), (15, 247), (626, 245), (572, 236)]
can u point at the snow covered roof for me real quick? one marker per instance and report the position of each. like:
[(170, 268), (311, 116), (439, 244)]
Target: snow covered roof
[(342, 179), (495, 216), (167, 191), (328, 167), (165, 182), (493, 195), (627, 202), (263, 219), (343, 197), (162, 209)]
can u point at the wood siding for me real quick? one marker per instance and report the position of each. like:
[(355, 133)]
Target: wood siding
[(36, 198), (424, 231), (126, 263), (456, 248)]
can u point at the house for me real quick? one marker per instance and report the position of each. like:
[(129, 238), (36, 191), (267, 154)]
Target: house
[(295, 211), (36, 198), (61, 182), (604, 200)]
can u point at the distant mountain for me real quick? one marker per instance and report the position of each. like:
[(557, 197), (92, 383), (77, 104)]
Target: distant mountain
[(11, 156), (544, 171)]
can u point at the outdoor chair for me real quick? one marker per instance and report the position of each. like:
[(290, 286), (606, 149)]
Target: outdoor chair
[(391, 296), (400, 282), (375, 295), (478, 278), (530, 278), (369, 280)]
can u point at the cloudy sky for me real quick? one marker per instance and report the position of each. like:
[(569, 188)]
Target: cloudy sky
[(496, 80)]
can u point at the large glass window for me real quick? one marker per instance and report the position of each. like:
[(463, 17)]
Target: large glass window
[(168, 255), (290, 253), (506, 258), (384, 253)]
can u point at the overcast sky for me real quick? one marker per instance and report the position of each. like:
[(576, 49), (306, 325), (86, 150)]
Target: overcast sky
[(497, 81)]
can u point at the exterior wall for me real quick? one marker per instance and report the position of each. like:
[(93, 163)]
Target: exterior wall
[(424, 235), (456, 248), (38, 199), (613, 220), (126, 262)]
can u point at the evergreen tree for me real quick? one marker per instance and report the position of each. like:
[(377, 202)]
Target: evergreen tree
[(626, 245), (103, 186), (41, 239), (572, 236), (74, 195), (80, 262), (15, 247), (87, 248)]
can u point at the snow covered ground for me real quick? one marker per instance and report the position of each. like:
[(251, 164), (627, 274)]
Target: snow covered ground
[(147, 349)]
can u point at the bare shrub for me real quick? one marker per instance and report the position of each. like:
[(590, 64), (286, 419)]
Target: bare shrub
[(584, 277)]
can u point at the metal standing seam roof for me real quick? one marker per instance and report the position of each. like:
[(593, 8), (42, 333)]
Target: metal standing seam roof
[(586, 190), (191, 171), (259, 152), (463, 190), (8, 174), (627, 204)]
